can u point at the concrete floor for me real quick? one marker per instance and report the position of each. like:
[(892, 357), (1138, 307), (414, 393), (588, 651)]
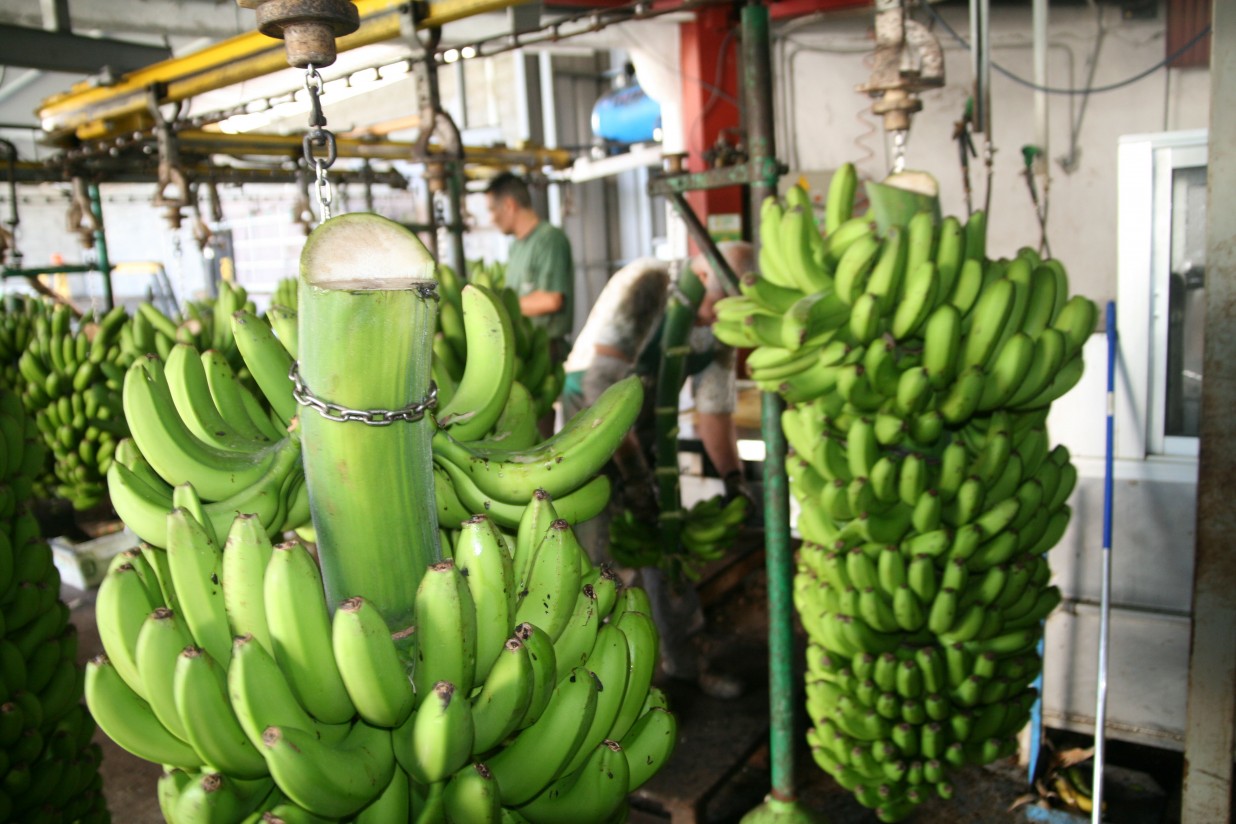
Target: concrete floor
[(720, 770)]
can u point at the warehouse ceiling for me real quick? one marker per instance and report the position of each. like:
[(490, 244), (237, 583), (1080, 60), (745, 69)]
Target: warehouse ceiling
[(50, 46)]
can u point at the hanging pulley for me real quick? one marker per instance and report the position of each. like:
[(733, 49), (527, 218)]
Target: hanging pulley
[(308, 28)]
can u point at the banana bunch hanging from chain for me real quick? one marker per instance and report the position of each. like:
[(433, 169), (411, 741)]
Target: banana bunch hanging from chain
[(48, 765), (918, 375), (534, 371), (518, 689)]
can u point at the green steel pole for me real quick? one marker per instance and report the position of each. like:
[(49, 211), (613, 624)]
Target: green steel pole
[(100, 246), (781, 806), (757, 92)]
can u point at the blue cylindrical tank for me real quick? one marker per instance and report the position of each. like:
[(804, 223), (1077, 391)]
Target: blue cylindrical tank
[(626, 115)]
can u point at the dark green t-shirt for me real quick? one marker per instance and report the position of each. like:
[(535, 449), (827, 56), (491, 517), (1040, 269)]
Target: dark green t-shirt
[(542, 261)]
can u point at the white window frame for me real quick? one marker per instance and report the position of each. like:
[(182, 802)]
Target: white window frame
[(1145, 166)]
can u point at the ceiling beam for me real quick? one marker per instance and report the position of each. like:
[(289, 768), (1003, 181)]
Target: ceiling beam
[(176, 18), (56, 15), (72, 53)]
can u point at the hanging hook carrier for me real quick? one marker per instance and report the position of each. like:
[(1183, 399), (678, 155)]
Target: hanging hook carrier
[(908, 60), (171, 173), (308, 29)]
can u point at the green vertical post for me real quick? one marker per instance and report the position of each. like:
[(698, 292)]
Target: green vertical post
[(781, 805), (100, 246)]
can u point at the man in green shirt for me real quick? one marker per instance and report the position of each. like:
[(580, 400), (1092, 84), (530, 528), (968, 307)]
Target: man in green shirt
[(539, 269)]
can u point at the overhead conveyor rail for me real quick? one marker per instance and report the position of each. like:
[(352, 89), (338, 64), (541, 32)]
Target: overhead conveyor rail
[(95, 112)]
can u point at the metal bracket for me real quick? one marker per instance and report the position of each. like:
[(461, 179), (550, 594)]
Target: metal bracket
[(81, 218), (908, 60), (170, 173)]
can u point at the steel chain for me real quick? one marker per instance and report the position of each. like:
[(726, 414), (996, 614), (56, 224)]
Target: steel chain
[(319, 137), (370, 417)]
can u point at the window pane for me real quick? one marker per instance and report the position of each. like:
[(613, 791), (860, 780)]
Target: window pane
[(1186, 302)]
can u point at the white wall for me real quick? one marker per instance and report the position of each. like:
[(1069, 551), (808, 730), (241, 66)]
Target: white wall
[(266, 239), (825, 123)]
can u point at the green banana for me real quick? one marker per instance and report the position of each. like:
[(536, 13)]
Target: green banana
[(129, 721), (472, 795), (196, 565), (558, 465), (246, 553), (162, 638), (175, 452), (547, 593), (537, 755), (331, 780), (262, 697), (487, 567), (504, 697), (300, 634), (200, 690), (446, 631), (437, 740), (374, 674), (268, 362), (592, 792), (488, 371)]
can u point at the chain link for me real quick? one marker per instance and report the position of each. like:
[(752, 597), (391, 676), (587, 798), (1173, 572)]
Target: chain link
[(369, 417), (899, 150), (319, 137)]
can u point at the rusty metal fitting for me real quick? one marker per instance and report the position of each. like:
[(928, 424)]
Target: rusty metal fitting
[(308, 28), (435, 176), (674, 163), (896, 106)]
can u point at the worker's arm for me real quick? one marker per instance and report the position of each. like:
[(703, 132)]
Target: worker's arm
[(540, 302), (720, 438)]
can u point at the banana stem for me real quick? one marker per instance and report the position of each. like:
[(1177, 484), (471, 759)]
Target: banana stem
[(366, 324), (679, 319)]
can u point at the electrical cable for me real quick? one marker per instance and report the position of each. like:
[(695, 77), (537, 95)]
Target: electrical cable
[(1128, 81)]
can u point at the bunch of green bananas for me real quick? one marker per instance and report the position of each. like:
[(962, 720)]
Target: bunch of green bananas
[(71, 388), (517, 687), (17, 314), (711, 526), (204, 324), (194, 422), (285, 294), (49, 769), (918, 374), (533, 369), (281, 314), (525, 681), (491, 275), (487, 453), (709, 529)]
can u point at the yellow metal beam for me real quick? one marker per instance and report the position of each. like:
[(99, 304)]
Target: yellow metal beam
[(90, 111), (204, 142)]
